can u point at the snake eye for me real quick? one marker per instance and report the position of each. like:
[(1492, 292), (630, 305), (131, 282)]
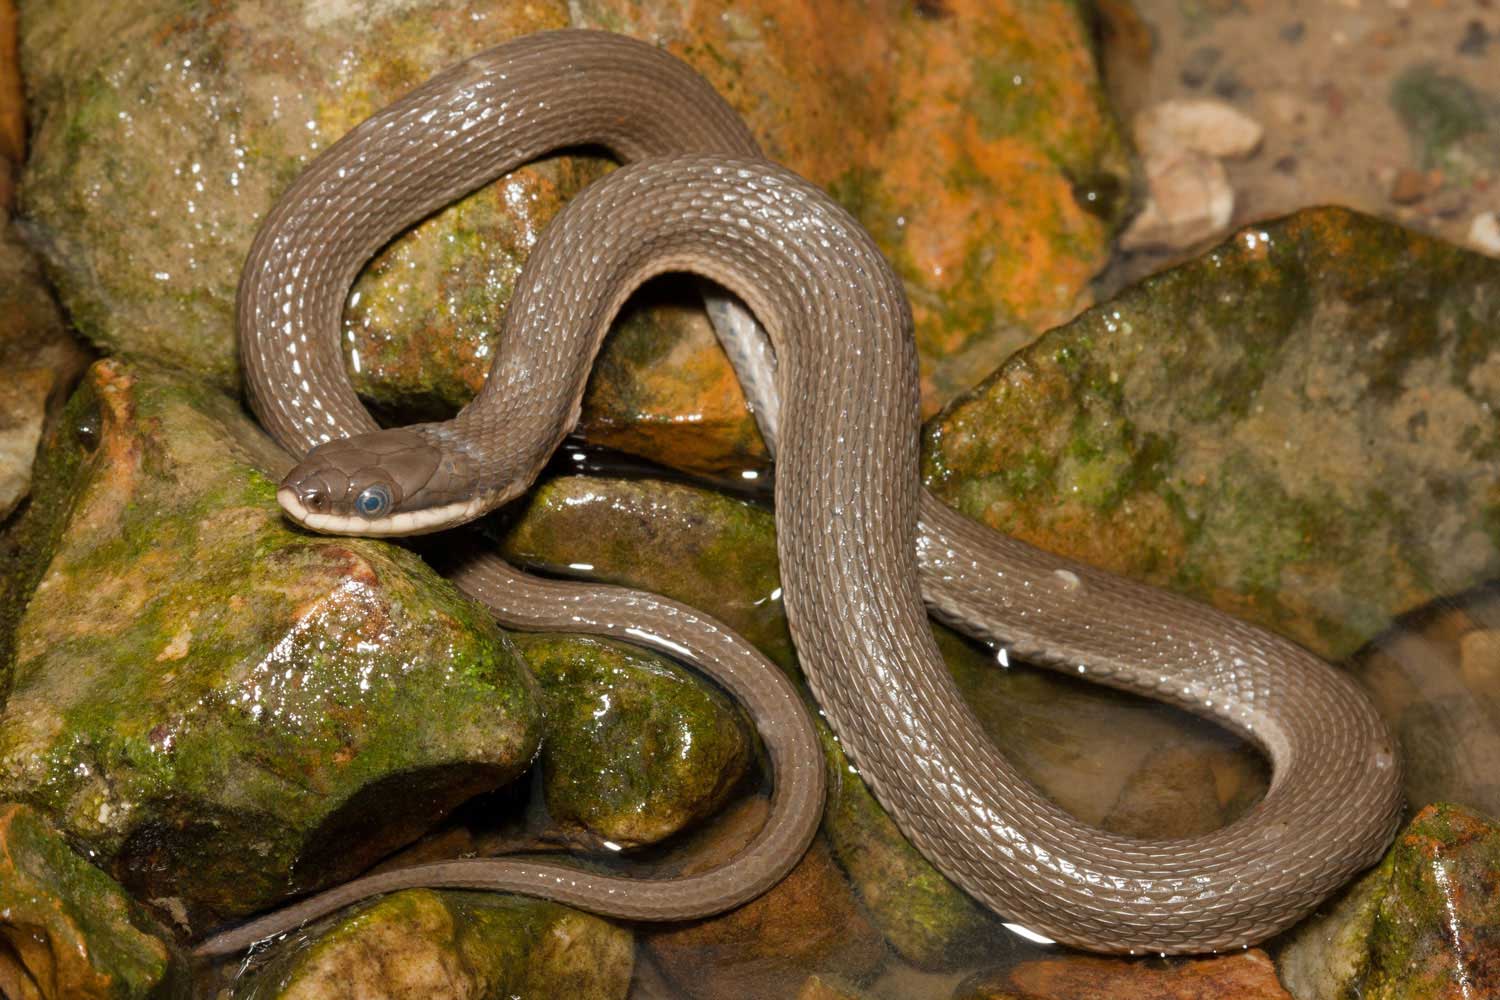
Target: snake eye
[(373, 502)]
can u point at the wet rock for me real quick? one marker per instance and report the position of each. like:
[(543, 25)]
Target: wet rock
[(478, 946), (719, 555), (12, 110), (1433, 678), (223, 710), (808, 923), (1209, 127), (1452, 125), (635, 747), (1188, 200), (962, 142), (1411, 186), (1423, 925), (823, 988), (40, 362), (1247, 976), (67, 932), (1297, 427)]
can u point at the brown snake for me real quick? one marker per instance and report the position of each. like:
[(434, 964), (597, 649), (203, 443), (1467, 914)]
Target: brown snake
[(857, 535)]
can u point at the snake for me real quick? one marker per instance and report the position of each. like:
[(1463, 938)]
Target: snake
[(866, 552)]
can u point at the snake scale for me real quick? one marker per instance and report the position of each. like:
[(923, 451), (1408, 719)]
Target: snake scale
[(862, 545)]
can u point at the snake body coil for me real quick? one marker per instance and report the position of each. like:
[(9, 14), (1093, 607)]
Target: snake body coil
[(856, 533)]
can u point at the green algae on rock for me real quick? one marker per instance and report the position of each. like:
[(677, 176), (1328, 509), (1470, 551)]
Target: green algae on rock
[(1298, 427), (421, 943), (70, 932), (1423, 925), (976, 143), (225, 710), (634, 747)]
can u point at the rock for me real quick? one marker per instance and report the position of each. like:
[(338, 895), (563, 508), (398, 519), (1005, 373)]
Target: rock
[(1246, 976), (1484, 233), (719, 554), (1452, 126), (70, 933), (1475, 40), (635, 748), (1298, 427), (226, 711), (40, 360), (989, 168), (1411, 186), (1188, 200), (808, 923), (1434, 680), (1423, 925), (478, 946), (1212, 128), (822, 988)]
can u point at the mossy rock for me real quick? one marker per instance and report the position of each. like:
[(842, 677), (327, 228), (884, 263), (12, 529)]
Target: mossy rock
[(635, 747), (421, 943), (69, 931), (1298, 427), (223, 709)]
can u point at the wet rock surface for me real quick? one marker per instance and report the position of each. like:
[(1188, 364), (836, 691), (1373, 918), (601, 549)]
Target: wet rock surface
[(473, 946), (1298, 427), (1423, 925), (226, 711), (67, 931), (635, 747)]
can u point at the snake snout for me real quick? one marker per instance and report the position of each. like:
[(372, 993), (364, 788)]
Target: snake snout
[(312, 494)]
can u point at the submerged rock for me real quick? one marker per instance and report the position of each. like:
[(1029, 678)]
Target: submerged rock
[(222, 709), (1248, 976), (635, 748), (1423, 925), (1436, 677), (1298, 427), (976, 144), (470, 945), (70, 932)]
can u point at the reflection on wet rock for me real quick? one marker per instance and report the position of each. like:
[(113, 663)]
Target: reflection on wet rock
[(1247, 976), (1297, 427), (1423, 925), (67, 931), (224, 710), (634, 747), (478, 946)]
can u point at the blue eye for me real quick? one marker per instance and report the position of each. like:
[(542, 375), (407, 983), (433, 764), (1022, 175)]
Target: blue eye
[(373, 502)]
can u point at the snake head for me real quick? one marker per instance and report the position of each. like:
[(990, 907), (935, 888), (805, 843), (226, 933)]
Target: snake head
[(391, 482)]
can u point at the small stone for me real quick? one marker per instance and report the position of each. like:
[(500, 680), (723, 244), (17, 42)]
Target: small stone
[(1484, 233), (1476, 39), (1199, 65), (1188, 200), (1293, 32), (1479, 663), (1249, 975), (1411, 186), (1229, 86), (1285, 165), (1200, 125)]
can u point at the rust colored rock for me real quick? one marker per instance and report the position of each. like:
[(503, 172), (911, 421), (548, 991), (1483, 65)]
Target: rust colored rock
[(1247, 976)]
